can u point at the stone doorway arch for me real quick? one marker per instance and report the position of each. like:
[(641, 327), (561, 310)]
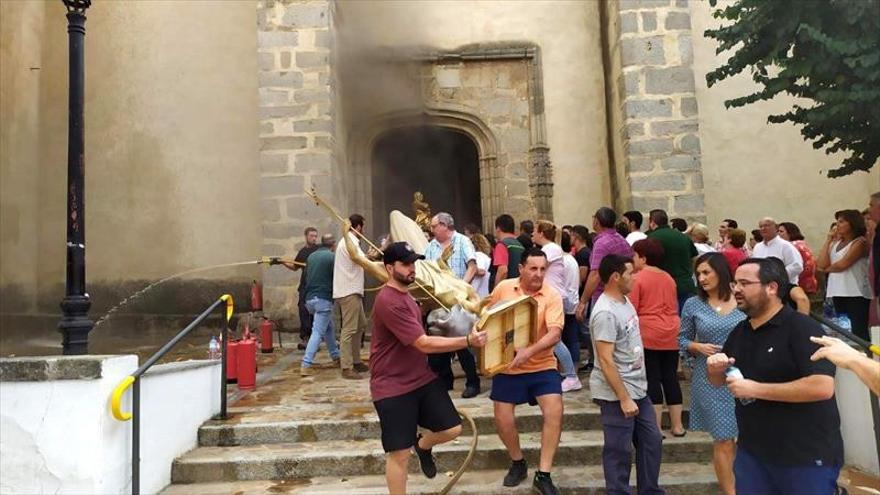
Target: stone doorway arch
[(491, 176)]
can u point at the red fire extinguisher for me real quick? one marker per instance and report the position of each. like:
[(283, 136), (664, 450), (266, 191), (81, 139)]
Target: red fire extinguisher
[(256, 296), (247, 364), (266, 328), (232, 361)]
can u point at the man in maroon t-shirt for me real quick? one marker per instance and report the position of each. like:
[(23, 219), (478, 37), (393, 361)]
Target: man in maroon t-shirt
[(406, 393)]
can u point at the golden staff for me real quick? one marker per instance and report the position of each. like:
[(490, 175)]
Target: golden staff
[(320, 202), (267, 259)]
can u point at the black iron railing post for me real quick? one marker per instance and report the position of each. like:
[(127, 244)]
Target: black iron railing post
[(136, 437), (223, 349), (75, 324)]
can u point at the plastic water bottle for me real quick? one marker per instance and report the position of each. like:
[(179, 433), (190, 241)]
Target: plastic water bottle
[(844, 322), (735, 372), (213, 348)]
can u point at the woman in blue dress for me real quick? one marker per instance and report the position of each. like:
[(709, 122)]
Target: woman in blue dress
[(706, 321)]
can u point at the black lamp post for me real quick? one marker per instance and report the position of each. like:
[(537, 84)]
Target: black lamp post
[(75, 324)]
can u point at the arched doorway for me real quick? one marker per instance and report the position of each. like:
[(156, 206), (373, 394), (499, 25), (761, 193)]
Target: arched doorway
[(440, 162)]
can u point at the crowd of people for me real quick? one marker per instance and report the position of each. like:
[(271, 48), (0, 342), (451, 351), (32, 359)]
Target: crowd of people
[(631, 306)]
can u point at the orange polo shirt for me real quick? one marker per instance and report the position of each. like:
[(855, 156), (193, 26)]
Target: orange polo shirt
[(550, 314)]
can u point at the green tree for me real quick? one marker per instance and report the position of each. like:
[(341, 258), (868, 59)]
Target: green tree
[(824, 52)]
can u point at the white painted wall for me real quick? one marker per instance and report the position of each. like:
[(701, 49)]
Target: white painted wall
[(176, 398), (857, 427), (60, 437)]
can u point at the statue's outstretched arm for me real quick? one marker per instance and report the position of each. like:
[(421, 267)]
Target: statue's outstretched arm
[(375, 269)]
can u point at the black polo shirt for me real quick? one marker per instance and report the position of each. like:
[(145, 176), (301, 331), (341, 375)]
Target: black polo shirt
[(784, 433)]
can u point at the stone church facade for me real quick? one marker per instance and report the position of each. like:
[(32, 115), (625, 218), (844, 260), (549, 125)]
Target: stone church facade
[(207, 122)]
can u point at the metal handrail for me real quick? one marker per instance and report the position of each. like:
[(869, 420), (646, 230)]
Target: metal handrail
[(133, 381), (866, 346)]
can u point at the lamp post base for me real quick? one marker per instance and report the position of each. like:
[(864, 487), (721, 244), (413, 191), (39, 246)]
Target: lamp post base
[(75, 325)]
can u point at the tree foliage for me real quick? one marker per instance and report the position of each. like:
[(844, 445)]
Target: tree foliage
[(825, 52)]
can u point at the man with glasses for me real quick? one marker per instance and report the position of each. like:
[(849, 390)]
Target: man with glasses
[(789, 426)]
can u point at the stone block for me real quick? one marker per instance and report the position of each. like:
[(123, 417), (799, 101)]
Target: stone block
[(516, 188), (650, 147), (642, 4), (685, 50), (448, 77), (285, 60), (284, 112), (629, 22), (270, 39), (312, 163), (267, 129), (654, 183), (267, 61), (282, 185), (642, 51), (690, 144), (312, 59), (681, 3), (280, 277), (322, 183), (324, 142), (678, 20), (303, 207), (689, 107), (310, 95), (282, 230), (641, 164), (270, 210), (270, 97), (669, 80), (642, 203), (515, 139), (306, 15), (313, 125), (680, 163), (517, 170), (273, 250), (273, 163), (673, 127), (636, 109), (635, 130), (631, 84), (283, 143), (697, 182), (649, 21), (689, 203), (323, 39), (290, 79)]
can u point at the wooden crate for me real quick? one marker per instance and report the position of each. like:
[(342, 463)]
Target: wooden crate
[(510, 325)]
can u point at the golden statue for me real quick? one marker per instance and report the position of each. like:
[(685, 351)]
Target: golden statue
[(422, 211)]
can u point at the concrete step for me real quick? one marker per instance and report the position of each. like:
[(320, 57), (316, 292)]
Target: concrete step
[(675, 478), (357, 421), (284, 461)]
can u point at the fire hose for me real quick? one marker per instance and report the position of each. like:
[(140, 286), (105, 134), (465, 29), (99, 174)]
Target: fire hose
[(467, 460)]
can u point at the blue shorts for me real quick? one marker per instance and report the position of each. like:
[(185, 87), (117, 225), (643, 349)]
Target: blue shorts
[(525, 387), (758, 478)]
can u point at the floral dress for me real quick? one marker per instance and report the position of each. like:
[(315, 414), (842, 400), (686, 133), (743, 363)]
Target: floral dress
[(711, 409)]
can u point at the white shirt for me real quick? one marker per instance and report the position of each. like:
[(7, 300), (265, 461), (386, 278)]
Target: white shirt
[(572, 284), (635, 236), (784, 250), (555, 275), (481, 282), (703, 248), (348, 276), (852, 282)]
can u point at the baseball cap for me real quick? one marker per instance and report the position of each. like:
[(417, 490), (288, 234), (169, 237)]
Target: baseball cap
[(400, 251)]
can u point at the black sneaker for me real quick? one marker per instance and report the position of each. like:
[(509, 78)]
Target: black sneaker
[(470, 392), (426, 460), (517, 473), (544, 485)]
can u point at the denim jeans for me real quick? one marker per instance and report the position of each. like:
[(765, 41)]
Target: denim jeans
[(565, 361), (322, 329)]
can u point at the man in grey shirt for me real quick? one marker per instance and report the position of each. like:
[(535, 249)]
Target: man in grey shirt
[(619, 385)]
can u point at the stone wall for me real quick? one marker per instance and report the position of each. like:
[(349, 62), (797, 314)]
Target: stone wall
[(657, 145), (298, 128)]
